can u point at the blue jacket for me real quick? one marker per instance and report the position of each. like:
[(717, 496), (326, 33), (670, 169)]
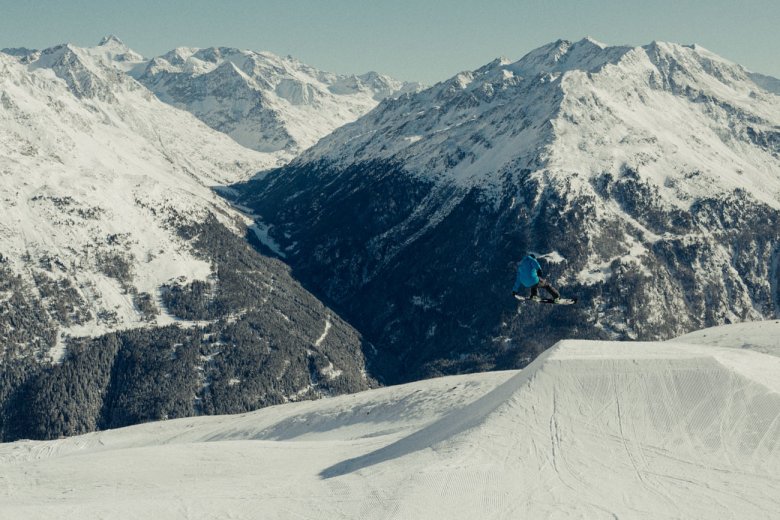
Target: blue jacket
[(527, 273)]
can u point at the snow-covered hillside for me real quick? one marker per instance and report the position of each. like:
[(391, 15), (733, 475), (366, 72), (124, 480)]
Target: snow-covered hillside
[(109, 227), (649, 176), (95, 172), (263, 101), (588, 430)]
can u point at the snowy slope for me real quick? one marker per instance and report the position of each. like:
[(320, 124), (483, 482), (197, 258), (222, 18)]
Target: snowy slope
[(761, 336), (588, 430), (263, 101)]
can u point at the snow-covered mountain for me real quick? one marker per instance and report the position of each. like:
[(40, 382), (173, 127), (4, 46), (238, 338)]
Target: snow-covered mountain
[(263, 101), (109, 222), (581, 107), (588, 430), (94, 166), (648, 178)]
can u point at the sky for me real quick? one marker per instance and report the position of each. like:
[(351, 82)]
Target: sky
[(418, 40)]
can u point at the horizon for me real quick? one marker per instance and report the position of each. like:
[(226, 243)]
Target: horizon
[(411, 41)]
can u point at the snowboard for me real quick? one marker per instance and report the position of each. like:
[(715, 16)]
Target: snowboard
[(561, 301)]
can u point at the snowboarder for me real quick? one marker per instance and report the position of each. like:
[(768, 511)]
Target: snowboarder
[(529, 274)]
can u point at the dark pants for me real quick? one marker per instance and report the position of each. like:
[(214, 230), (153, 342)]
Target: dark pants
[(544, 284)]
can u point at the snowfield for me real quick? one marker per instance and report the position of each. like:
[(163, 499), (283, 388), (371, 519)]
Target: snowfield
[(763, 336), (588, 430)]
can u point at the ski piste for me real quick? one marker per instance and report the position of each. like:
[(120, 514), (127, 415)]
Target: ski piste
[(560, 301)]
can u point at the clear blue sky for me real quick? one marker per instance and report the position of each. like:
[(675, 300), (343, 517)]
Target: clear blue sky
[(424, 40)]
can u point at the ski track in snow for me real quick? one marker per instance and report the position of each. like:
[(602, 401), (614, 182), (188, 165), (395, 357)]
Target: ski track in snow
[(588, 430)]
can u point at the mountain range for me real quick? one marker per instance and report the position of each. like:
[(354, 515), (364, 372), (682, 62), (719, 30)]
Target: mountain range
[(264, 102), (646, 178)]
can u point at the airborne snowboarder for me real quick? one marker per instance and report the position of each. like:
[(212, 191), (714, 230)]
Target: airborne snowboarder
[(529, 274)]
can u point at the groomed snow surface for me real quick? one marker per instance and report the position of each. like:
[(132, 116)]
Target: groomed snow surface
[(588, 430)]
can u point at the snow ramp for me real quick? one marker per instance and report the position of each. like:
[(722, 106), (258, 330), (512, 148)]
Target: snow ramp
[(604, 429)]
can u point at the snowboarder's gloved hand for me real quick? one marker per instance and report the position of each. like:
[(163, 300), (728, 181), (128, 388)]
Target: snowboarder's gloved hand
[(539, 273)]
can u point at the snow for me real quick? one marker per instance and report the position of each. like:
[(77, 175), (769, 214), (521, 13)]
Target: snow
[(331, 372), (761, 336), (600, 271), (113, 50), (589, 430), (261, 232), (257, 226), (553, 257)]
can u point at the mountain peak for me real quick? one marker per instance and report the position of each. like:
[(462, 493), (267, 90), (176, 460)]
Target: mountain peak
[(111, 41), (592, 41), (563, 55), (497, 63)]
